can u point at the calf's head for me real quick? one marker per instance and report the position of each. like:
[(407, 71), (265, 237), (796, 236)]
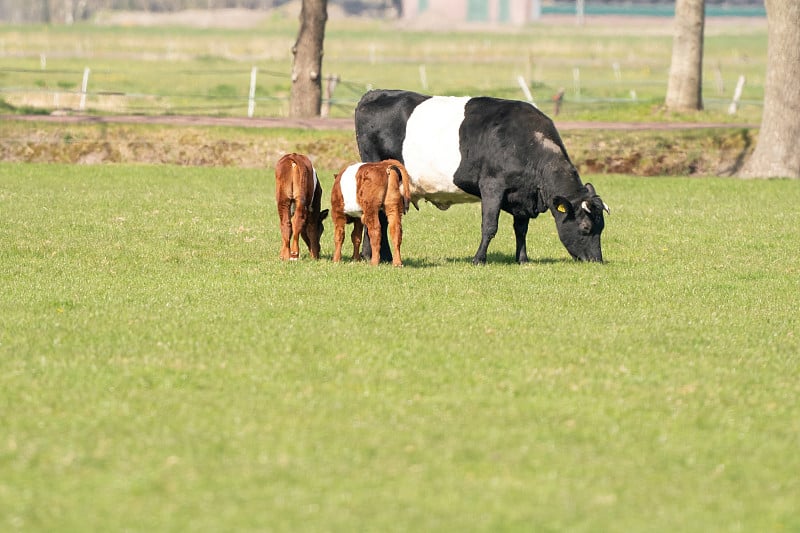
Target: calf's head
[(580, 223), (312, 232)]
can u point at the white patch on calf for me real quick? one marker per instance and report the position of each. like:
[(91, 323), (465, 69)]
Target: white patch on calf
[(314, 189), (347, 183), (431, 150)]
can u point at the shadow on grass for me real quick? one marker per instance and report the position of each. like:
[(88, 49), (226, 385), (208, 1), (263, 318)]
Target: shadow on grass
[(492, 258)]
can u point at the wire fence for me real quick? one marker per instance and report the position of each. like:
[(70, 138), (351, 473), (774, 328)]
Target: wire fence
[(47, 95)]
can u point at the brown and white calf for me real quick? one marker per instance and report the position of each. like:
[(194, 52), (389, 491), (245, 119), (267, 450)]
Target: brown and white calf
[(298, 194), (359, 192)]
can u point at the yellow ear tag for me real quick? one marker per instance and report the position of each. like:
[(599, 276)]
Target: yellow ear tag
[(562, 208)]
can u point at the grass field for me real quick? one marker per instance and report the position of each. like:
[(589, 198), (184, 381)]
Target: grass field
[(621, 68), (161, 370)]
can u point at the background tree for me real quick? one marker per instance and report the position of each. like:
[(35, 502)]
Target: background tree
[(306, 95), (684, 91), (777, 151)]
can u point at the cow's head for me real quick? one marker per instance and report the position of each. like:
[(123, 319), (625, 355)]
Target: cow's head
[(580, 223)]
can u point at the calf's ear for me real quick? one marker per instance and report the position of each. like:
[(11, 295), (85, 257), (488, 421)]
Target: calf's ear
[(323, 215), (561, 208)]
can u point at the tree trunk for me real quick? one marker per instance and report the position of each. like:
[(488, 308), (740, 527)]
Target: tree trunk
[(684, 91), (306, 97), (777, 152), (46, 11), (69, 11)]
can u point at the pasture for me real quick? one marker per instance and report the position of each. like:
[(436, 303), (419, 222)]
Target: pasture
[(162, 370), (610, 72)]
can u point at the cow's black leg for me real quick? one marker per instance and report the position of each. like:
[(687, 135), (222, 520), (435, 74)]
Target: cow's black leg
[(521, 233), (490, 213), (386, 250)]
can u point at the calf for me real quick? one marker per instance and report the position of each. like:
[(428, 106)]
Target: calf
[(505, 154), (360, 191), (298, 193)]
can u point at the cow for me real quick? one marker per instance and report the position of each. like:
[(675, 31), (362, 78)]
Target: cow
[(506, 154), (362, 190), (299, 195)]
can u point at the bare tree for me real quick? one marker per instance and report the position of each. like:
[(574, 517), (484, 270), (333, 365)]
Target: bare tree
[(684, 91), (777, 152), (306, 96)]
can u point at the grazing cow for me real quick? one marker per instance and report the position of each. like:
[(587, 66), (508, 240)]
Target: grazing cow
[(504, 153), (298, 193), (360, 191)]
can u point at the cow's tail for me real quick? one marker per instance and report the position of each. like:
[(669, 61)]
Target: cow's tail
[(404, 185)]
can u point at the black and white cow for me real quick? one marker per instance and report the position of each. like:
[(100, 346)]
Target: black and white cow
[(504, 153)]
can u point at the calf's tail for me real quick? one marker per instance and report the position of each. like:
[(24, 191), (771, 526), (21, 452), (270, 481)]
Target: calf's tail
[(302, 183), (298, 180), (404, 183)]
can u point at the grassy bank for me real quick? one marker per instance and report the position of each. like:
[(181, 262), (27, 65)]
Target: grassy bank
[(161, 369), (646, 153)]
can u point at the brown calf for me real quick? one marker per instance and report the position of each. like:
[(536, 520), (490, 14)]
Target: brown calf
[(298, 193), (359, 192)]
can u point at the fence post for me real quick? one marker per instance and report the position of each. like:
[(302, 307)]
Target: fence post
[(251, 101), (719, 80), (525, 90), (329, 88), (84, 87), (737, 95), (423, 77)]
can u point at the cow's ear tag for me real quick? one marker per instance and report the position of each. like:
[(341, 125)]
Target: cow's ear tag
[(561, 208)]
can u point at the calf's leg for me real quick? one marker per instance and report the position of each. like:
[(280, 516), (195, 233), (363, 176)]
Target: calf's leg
[(355, 237), (385, 250), (396, 230), (286, 226), (298, 224), (338, 237), (373, 225)]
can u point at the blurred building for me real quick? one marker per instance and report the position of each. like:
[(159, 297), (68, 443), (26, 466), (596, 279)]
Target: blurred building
[(430, 12), (512, 12), (520, 12)]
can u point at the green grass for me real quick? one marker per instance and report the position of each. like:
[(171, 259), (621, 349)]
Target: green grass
[(181, 70), (162, 370)]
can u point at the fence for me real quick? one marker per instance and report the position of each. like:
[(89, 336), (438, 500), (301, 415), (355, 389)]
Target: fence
[(339, 96)]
